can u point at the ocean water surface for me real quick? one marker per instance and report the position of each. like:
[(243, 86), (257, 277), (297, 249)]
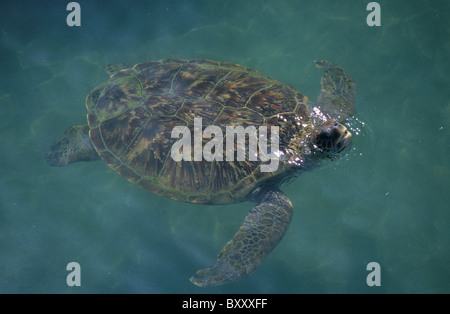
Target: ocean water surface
[(386, 200)]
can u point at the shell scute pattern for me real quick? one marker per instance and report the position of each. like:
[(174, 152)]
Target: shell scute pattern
[(132, 117)]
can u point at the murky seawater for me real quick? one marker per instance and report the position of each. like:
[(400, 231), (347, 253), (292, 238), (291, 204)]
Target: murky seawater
[(386, 200)]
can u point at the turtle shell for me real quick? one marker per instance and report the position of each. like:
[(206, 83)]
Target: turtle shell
[(131, 118)]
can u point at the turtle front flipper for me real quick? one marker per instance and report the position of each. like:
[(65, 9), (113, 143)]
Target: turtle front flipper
[(261, 231), (73, 145), (337, 95)]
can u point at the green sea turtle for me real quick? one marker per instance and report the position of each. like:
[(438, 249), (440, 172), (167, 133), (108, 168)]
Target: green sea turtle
[(132, 115)]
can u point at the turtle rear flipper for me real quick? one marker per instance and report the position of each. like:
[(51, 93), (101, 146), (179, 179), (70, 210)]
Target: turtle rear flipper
[(261, 231), (73, 145), (337, 95), (112, 69)]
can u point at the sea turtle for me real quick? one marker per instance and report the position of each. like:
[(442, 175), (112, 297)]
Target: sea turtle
[(130, 122)]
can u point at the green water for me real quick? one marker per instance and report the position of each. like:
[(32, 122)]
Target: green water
[(385, 201)]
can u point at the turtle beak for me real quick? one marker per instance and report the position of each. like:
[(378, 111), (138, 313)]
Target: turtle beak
[(345, 138)]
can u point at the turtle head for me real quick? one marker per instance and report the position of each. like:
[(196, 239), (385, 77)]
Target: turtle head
[(331, 137)]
